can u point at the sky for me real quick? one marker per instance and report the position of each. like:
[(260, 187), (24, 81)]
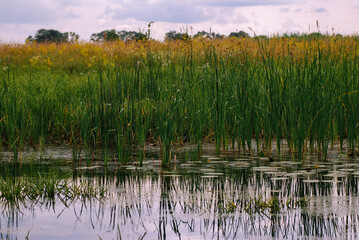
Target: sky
[(21, 18)]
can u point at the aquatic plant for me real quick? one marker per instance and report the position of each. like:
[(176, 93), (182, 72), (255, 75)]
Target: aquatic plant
[(44, 190), (273, 205), (122, 96)]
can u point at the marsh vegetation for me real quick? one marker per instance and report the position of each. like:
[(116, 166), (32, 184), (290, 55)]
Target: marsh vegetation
[(303, 92), (278, 118)]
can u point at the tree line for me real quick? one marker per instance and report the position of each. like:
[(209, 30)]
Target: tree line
[(51, 35)]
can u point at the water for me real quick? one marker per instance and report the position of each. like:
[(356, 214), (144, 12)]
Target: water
[(211, 197)]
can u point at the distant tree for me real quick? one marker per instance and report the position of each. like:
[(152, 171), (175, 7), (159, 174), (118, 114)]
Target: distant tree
[(293, 35), (173, 35), (141, 35), (51, 35), (203, 34), (113, 35), (316, 35), (105, 36), (30, 39), (240, 34), (132, 35), (264, 37), (210, 35), (72, 37)]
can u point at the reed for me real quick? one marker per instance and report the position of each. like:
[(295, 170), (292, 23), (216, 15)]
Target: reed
[(45, 190), (122, 96)]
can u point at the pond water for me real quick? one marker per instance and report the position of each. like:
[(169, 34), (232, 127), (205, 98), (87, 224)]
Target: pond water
[(230, 196)]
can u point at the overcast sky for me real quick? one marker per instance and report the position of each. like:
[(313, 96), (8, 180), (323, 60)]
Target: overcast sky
[(21, 18)]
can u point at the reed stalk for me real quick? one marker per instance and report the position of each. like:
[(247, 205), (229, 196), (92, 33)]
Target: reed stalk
[(122, 96)]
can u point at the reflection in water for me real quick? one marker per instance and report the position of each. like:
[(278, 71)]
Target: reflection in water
[(198, 201)]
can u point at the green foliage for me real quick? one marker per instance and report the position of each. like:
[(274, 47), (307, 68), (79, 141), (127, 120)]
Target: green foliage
[(46, 189), (239, 34), (174, 35), (274, 205), (312, 36), (229, 207), (106, 35), (113, 35), (210, 35), (51, 35), (229, 91)]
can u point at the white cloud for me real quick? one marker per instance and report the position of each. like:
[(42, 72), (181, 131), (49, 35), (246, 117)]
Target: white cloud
[(321, 9), (22, 11), (20, 18), (185, 11), (284, 9), (170, 12), (240, 3), (70, 14)]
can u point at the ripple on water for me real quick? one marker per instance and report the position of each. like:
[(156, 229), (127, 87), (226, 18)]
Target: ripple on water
[(195, 200)]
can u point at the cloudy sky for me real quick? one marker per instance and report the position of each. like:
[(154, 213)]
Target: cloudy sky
[(21, 18)]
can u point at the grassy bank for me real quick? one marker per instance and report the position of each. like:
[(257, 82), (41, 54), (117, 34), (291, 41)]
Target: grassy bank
[(304, 91)]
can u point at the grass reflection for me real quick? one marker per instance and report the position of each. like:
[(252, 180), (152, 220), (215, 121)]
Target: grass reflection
[(223, 198)]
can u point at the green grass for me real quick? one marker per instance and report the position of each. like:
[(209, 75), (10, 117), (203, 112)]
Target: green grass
[(45, 190), (192, 95)]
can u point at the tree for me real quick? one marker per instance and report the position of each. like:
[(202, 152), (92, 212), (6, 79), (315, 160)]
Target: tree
[(132, 35), (314, 35), (264, 37), (72, 37), (240, 34), (105, 36), (113, 35), (51, 35), (173, 35), (210, 35)]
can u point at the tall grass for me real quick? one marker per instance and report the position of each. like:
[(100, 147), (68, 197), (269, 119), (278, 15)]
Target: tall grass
[(19, 193), (122, 96)]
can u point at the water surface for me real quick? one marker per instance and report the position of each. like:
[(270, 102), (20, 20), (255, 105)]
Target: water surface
[(206, 197)]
